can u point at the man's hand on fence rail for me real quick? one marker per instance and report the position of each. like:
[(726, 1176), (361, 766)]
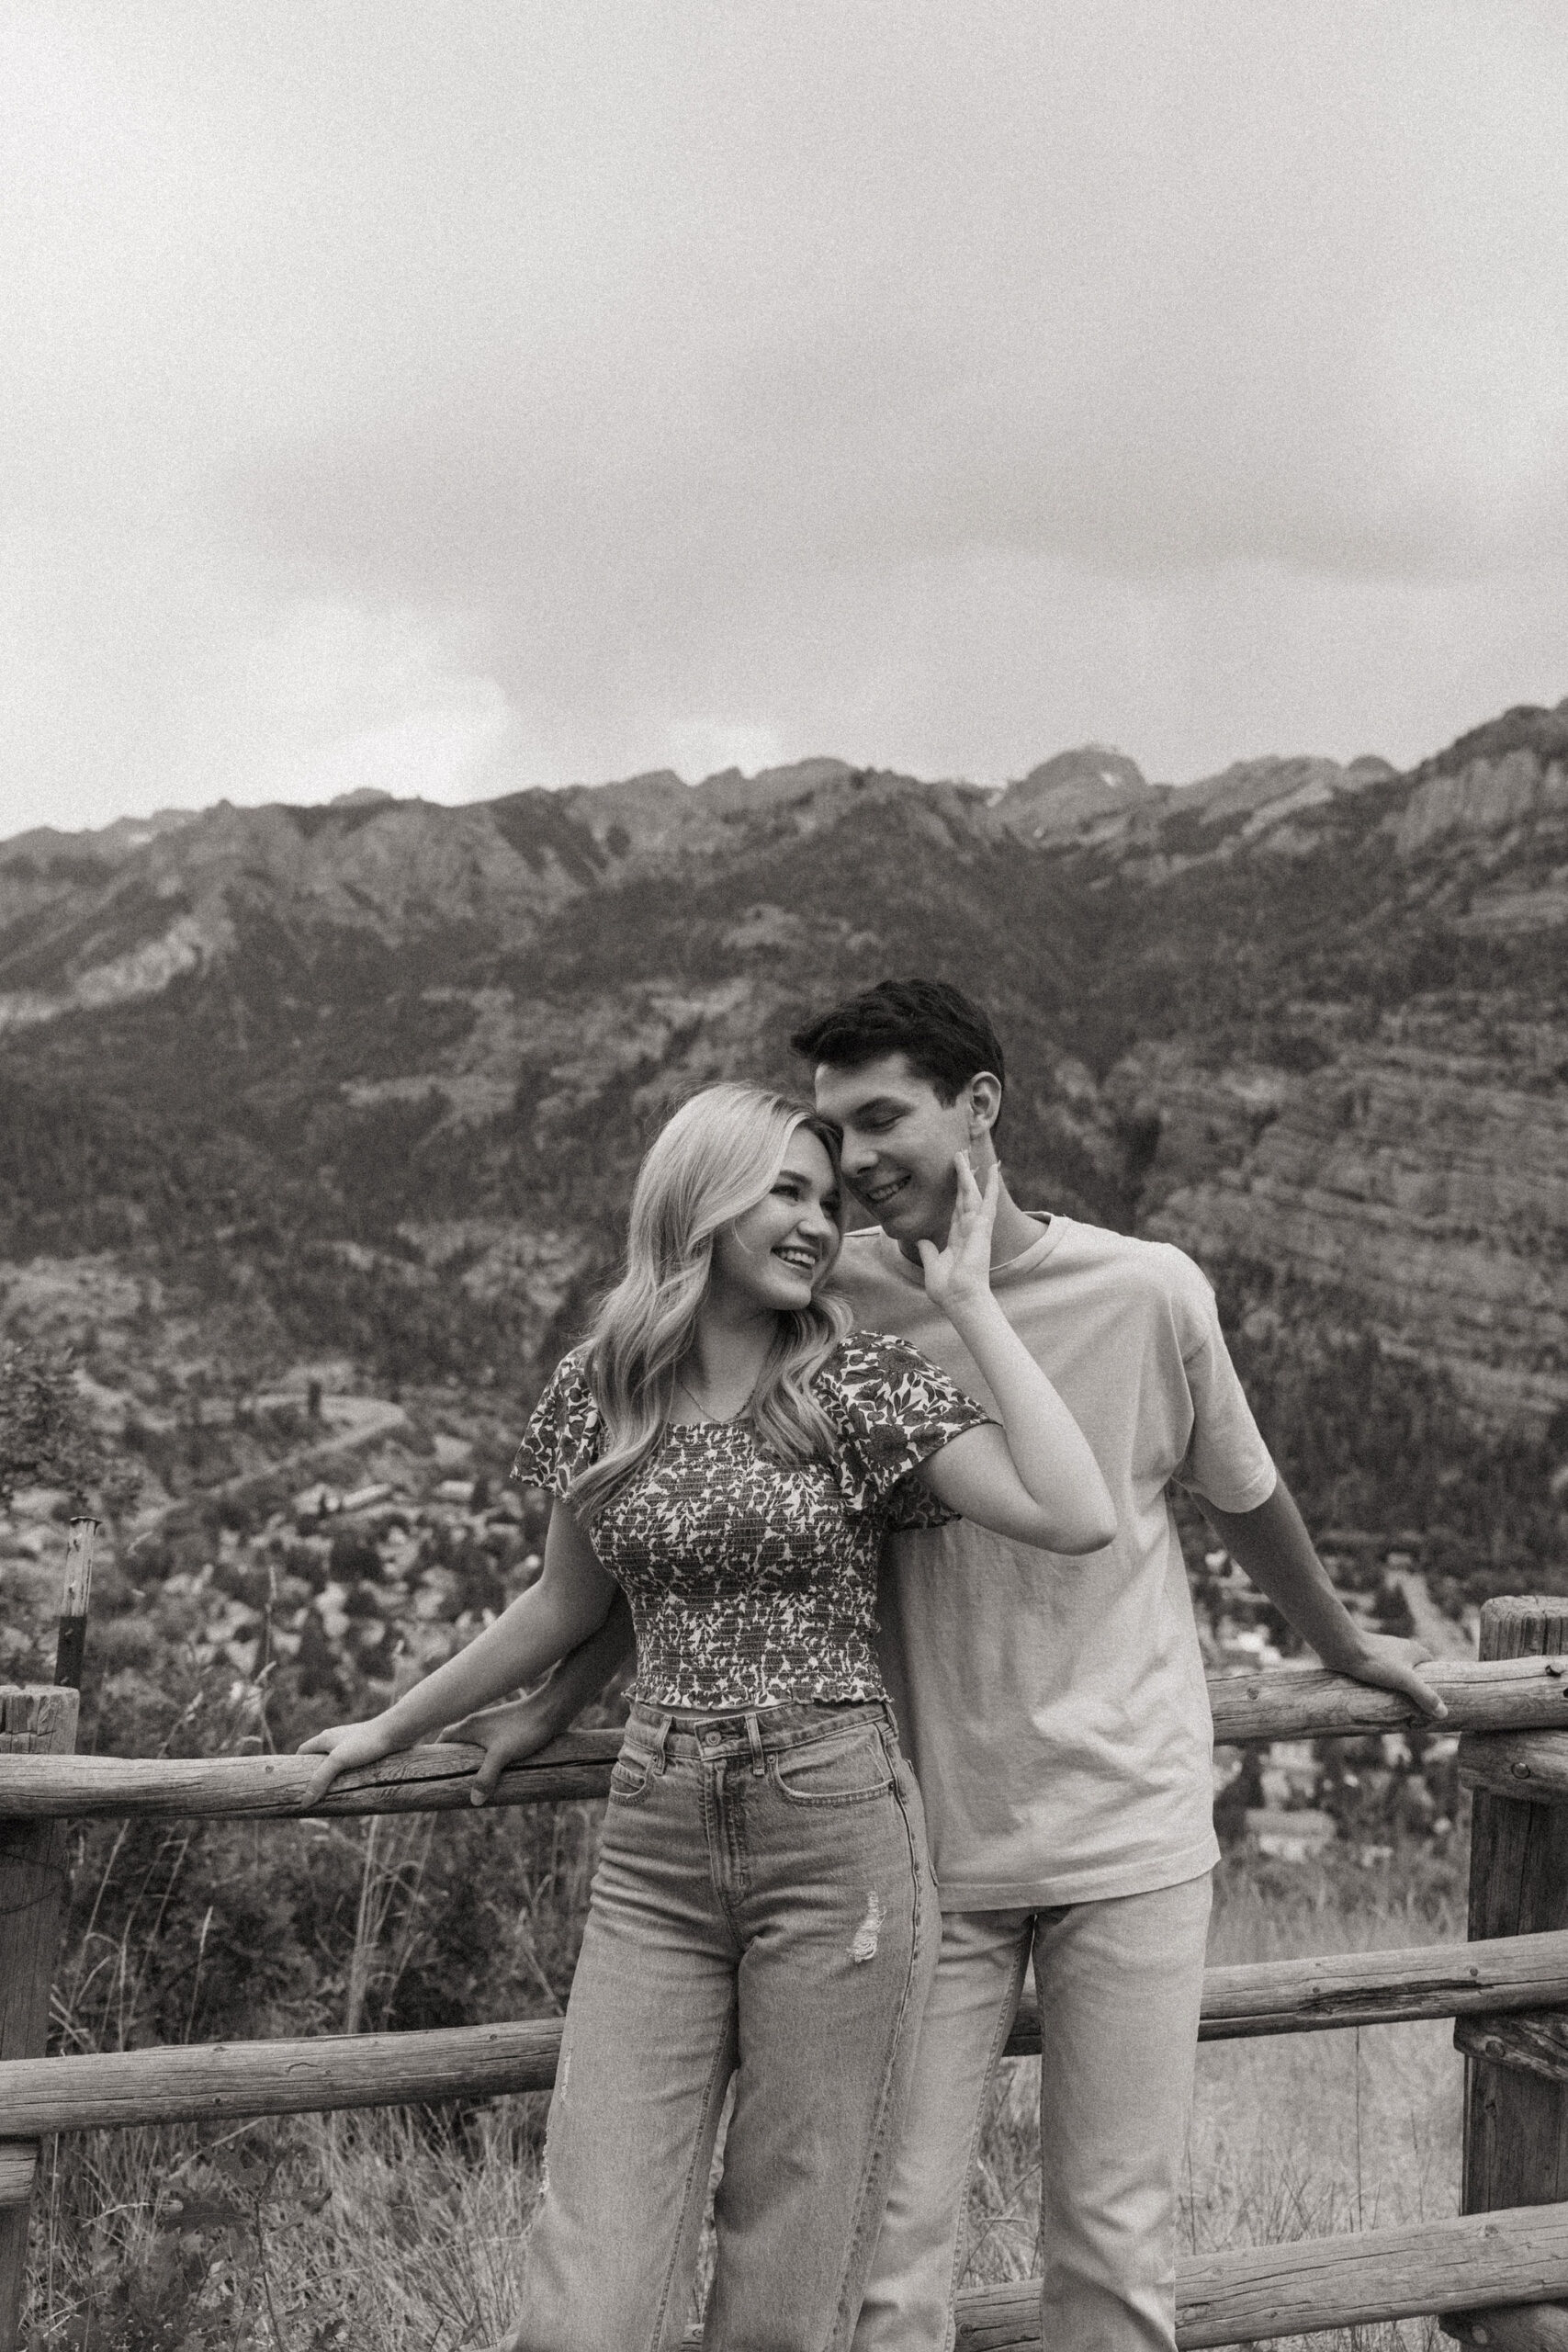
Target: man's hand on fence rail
[(1392, 1662), (1301, 1702), (506, 1735)]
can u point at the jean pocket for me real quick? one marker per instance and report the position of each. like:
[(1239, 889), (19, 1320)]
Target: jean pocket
[(844, 1771), (629, 1777)]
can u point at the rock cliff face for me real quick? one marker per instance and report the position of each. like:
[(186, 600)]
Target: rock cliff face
[(1425, 1177), (1308, 1019)]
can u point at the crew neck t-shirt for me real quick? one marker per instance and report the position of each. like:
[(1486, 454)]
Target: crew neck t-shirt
[(1056, 1709), (752, 1580)]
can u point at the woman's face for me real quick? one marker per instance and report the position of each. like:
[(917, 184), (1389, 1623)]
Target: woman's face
[(778, 1254)]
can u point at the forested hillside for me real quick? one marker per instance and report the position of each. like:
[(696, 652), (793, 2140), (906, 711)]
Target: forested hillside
[(370, 1081)]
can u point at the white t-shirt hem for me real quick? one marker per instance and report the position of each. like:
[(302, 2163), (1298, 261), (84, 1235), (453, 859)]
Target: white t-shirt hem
[(1146, 1877)]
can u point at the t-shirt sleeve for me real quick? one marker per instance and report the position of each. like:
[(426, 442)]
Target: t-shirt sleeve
[(561, 1437), (896, 1409), (1227, 1461)]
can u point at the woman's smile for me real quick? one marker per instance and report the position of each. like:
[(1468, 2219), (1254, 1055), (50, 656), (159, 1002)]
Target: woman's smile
[(776, 1254)]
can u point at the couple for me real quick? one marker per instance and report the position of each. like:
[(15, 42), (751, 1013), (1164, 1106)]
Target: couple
[(990, 1404)]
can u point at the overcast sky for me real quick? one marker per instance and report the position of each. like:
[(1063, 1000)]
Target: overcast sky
[(455, 396)]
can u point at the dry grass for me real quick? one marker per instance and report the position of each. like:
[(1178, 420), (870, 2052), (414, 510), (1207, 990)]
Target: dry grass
[(374, 2231), (399, 2231), (1296, 2135)]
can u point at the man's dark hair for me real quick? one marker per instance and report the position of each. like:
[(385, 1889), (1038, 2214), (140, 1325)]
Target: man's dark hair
[(944, 1038)]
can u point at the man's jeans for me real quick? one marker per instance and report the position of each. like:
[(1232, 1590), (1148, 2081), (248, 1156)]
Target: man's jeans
[(1120, 1984), (764, 1907)]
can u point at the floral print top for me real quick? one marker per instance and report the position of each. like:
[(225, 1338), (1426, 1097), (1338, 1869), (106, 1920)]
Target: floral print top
[(751, 1581)]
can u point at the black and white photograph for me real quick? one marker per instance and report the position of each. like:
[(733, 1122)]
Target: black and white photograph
[(784, 1176)]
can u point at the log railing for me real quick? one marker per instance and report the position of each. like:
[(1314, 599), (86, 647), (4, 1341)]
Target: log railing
[(1497, 2275)]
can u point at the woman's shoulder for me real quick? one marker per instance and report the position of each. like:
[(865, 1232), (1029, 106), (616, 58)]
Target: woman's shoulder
[(563, 1429), (893, 1408), (878, 1362), (571, 1378), (566, 1402)]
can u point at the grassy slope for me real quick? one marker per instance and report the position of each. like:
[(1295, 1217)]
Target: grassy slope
[(396, 2230)]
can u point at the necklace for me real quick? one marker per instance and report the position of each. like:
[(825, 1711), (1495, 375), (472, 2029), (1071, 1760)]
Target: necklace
[(705, 1408)]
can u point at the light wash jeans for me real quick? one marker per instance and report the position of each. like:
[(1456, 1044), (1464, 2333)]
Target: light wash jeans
[(762, 1907), (1120, 1984)]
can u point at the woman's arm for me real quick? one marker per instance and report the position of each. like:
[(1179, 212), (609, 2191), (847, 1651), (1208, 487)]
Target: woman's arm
[(520, 1727), (1035, 1478), (568, 1602)]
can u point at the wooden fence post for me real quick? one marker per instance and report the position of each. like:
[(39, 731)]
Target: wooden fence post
[(38, 1720), (73, 1639), (1515, 2104)]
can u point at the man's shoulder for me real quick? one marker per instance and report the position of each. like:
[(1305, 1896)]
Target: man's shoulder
[(1132, 1260), (1132, 1282), (868, 1265)]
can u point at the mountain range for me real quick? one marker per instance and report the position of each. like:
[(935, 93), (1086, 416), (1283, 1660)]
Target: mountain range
[(376, 1074)]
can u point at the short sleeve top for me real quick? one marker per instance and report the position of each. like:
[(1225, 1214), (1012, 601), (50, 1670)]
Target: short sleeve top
[(751, 1581)]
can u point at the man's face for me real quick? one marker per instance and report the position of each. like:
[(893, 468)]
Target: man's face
[(900, 1142)]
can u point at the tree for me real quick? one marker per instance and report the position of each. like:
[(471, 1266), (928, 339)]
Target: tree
[(45, 1437)]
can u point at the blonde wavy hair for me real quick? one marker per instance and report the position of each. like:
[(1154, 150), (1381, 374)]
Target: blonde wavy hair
[(719, 1155)]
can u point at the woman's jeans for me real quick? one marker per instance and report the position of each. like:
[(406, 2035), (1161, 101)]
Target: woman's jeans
[(763, 1908)]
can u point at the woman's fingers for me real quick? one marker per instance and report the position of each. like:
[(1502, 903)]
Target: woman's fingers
[(330, 1747), (974, 1209), (324, 1742), (321, 1780), (965, 1199), (342, 1749)]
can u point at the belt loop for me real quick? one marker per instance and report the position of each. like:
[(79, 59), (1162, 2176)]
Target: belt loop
[(658, 1760), (754, 1740)]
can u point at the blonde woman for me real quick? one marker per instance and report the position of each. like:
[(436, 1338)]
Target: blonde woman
[(724, 1449)]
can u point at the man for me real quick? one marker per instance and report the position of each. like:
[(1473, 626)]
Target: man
[(1058, 1723)]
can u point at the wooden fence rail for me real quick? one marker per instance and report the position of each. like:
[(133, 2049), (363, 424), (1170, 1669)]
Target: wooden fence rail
[(272, 1788), (1526, 1695), (186, 2084), (1249, 2293), (1502, 2271)]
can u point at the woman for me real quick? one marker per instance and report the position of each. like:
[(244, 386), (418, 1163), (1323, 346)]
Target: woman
[(724, 1449)]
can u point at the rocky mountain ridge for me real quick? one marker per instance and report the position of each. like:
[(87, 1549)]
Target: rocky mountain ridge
[(101, 917), (1309, 1020)]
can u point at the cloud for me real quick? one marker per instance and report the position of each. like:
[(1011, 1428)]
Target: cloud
[(536, 392)]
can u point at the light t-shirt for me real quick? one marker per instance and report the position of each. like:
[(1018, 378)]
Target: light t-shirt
[(1055, 1709)]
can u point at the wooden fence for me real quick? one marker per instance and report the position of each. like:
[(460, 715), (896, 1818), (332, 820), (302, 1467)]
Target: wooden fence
[(1497, 2275)]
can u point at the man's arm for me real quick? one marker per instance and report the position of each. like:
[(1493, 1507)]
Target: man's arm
[(520, 1726), (1272, 1544)]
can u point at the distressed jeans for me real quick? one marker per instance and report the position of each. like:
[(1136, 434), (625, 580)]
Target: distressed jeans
[(762, 1908), (1120, 1984)]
